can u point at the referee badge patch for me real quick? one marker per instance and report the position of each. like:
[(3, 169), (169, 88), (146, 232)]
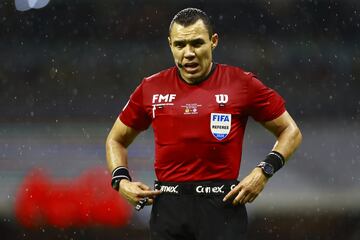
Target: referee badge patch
[(220, 125)]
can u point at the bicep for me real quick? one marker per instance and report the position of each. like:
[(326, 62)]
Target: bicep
[(279, 124), (122, 134)]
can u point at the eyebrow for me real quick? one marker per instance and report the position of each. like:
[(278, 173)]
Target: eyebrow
[(191, 42)]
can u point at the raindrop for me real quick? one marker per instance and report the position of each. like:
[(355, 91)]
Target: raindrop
[(53, 72)]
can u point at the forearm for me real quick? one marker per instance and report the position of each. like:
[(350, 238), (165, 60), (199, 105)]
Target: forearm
[(287, 133), (288, 141), (119, 138), (116, 154)]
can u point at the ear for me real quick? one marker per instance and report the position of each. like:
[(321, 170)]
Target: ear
[(214, 40), (169, 40)]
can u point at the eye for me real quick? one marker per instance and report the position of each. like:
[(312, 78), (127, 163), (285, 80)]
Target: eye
[(179, 45), (197, 43)]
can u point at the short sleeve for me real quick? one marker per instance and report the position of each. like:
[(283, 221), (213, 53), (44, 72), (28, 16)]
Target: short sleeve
[(265, 103), (134, 114)]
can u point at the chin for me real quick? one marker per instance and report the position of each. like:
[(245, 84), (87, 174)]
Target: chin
[(192, 77)]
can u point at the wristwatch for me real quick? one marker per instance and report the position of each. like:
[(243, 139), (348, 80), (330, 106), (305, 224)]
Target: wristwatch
[(267, 168), (115, 184)]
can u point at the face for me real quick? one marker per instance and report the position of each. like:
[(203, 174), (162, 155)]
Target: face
[(192, 48)]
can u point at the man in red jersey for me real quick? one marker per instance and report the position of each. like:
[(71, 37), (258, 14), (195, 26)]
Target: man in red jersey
[(198, 110)]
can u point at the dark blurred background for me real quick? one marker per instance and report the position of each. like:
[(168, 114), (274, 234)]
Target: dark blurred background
[(68, 69)]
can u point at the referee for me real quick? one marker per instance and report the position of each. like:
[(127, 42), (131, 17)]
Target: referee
[(198, 110)]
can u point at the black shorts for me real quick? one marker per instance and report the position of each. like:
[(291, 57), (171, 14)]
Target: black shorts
[(195, 211)]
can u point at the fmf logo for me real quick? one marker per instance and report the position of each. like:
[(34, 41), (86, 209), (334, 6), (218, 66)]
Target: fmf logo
[(220, 125), (160, 98)]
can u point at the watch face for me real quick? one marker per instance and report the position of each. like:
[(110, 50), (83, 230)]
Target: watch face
[(268, 169), (115, 184)]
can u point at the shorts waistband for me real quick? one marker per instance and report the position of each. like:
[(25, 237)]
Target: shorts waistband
[(203, 188)]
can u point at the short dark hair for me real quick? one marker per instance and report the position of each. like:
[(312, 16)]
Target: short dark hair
[(189, 16)]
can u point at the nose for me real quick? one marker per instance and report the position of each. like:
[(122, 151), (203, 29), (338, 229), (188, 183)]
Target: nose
[(189, 52)]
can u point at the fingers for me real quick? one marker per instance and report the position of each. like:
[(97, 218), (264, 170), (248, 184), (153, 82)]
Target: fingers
[(241, 194), (143, 186), (150, 201), (145, 191), (151, 193), (232, 193), (133, 192), (244, 196), (252, 199), (134, 200), (239, 198), (248, 189)]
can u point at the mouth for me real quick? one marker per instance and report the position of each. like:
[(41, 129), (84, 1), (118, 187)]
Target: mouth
[(191, 67)]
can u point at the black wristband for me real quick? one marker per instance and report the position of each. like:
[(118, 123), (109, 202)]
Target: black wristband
[(275, 159), (118, 174)]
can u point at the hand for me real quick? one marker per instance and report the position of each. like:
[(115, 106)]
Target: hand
[(133, 192), (248, 189)]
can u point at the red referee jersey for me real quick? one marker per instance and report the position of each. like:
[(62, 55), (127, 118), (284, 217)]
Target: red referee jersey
[(199, 128)]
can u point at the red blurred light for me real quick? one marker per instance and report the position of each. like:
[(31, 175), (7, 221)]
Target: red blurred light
[(85, 201)]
